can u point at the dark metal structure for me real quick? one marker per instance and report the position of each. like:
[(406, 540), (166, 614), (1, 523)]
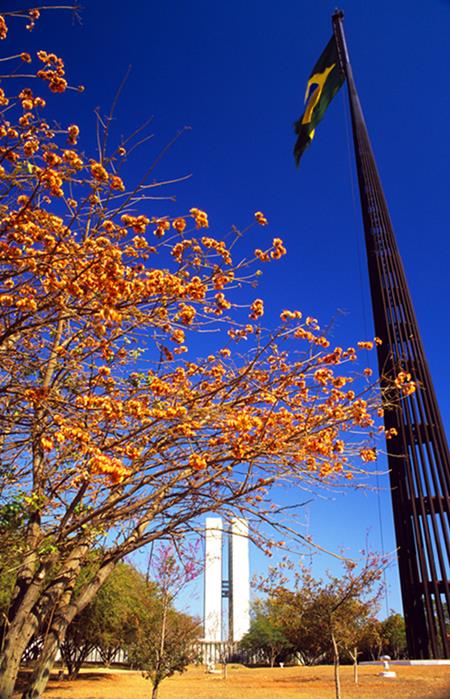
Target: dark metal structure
[(419, 459)]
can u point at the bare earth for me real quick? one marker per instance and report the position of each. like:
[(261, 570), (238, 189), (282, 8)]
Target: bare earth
[(261, 683)]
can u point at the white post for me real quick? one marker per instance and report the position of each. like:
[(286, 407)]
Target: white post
[(213, 580), (240, 578)]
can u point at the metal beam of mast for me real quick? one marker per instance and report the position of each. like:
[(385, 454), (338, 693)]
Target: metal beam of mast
[(419, 460)]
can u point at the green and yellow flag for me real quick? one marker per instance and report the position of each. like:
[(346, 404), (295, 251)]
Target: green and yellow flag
[(325, 80)]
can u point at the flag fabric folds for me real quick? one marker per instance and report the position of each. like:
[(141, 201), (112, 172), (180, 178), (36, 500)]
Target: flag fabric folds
[(325, 80)]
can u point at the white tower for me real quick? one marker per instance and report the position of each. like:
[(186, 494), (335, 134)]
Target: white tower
[(239, 573), (213, 580)]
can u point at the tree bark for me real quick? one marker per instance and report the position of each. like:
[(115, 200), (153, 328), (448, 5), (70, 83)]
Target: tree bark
[(53, 640), (14, 648)]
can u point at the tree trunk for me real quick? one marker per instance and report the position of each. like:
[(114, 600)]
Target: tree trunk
[(355, 665), (21, 626), (337, 677), (56, 634), (25, 624), (29, 609), (74, 660), (15, 643), (155, 691), (52, 641), (55, 637), (41, 673), (70, 667)]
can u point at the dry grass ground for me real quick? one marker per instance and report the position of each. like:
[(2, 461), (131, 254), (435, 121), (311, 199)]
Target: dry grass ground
[(246, 683)]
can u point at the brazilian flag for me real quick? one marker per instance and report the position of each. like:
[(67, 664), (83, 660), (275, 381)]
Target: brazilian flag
[(325, 80)]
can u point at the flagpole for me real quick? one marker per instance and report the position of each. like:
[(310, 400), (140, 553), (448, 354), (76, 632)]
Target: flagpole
[(418, 454)]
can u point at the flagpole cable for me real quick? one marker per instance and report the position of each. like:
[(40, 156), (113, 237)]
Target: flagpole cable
[(363, 301)]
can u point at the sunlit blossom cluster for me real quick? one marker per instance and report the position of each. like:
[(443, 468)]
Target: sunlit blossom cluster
[(53, 72), (200, 217), (404, 383)]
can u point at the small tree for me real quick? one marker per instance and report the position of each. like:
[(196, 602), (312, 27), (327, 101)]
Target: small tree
[(342, 607), (162, 655), (163, 641)]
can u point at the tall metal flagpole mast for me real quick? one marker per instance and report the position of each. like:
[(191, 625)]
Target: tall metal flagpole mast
[(419, 460)]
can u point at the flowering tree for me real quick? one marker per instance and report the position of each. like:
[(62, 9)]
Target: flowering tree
[(110, 438)]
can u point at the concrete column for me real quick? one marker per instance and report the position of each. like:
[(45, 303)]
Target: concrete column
[(240, 578), (213, 580)]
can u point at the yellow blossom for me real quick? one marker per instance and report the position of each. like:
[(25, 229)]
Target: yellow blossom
[(368, 454), (197, 462), (365, 345), (98, 172), (260, 218), (179, 224), (3, 28), (73, 132), (256, 309), (116, 183)]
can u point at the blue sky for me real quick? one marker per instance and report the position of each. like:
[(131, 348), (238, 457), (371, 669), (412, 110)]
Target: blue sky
[(235, 72)]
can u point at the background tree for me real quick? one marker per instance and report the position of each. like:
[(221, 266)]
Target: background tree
[(110, 440), (107, 623), (371, 643), (266, 640), (11, 523), (394, 636)]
